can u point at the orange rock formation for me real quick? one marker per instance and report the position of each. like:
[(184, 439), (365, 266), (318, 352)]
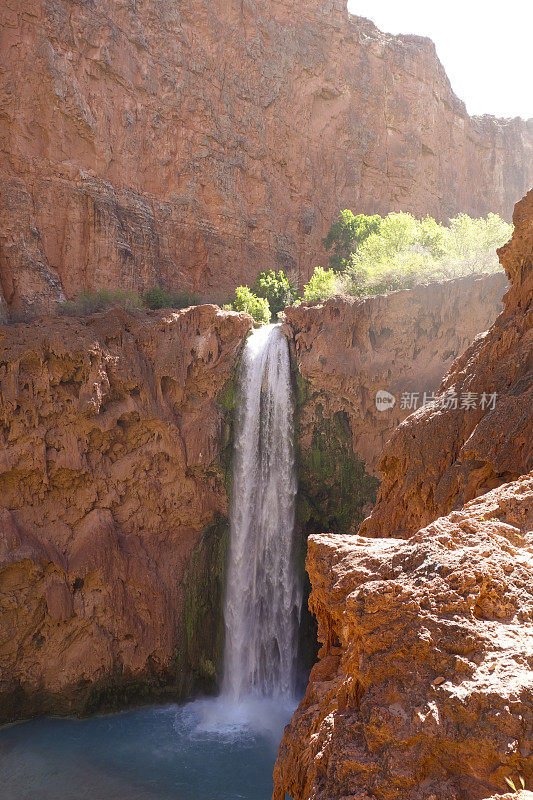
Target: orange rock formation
[(348, 349), (193, 144), (109, 472), (112, 444), (423, 688), (489, 446)]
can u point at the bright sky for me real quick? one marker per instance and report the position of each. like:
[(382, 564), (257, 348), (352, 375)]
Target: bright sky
[(484, 45)]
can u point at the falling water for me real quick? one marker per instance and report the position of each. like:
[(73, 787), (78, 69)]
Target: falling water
[(221, 747), (263, 592)]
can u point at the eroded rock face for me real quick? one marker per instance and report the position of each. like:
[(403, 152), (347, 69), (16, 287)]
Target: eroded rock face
[(112, 493), (441, 457), (193, 144), (424, 687), (346, 351)]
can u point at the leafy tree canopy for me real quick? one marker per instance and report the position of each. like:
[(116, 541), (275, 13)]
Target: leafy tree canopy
[(400, 251), (246, 300), (323, 283), (346, 234), (276, 288)]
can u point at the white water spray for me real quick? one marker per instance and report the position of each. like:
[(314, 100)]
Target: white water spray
[(263, 594)]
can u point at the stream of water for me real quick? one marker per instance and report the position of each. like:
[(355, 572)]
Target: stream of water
[(263, 598), (211, 749)]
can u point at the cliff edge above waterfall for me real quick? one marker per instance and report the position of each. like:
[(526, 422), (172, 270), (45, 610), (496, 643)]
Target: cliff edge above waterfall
[(112, 506), (424, 687)]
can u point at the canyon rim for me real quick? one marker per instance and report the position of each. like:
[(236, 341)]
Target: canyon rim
[(192, 144)]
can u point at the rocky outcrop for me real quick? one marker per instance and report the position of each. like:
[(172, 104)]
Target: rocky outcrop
[(112, 496), (347, 351), (443, 456), (424, 685), (192, 144)]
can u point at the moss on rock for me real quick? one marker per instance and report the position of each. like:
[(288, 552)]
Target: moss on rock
[(334, 486), (203, 637), (334, 491)]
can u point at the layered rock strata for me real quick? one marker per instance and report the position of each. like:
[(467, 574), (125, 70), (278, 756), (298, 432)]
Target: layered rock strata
[(112, 496), (193, 144)]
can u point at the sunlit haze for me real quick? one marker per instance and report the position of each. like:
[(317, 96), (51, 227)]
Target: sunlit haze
[(485, 47)]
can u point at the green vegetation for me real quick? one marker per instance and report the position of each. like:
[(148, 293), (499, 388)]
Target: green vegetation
[(276, 288), (246, 300), (203, 642), (159, 298), (323, 283), (89, 302), (369, 255), (346, 234), (334, 485), (269, 295), (373, 255), (155, 298)]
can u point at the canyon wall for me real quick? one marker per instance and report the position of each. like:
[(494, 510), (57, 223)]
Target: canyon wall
[(113, 434), (347, 350), (193, 144), (115, 441), (423, 689)]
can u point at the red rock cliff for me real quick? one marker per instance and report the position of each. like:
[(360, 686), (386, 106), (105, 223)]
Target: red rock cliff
[(441, 457), (404, 342), (346, 351), (110, 441), (192, 144), (423, 687)]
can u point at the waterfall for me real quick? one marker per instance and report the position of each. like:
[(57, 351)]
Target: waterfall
[(263, 593)]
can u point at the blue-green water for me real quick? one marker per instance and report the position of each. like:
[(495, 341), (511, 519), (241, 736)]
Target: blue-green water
[(205, 750)]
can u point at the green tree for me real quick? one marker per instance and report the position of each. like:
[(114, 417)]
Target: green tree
[(346, 234), (276, 288), (407, 251), (323, 283), (432, 237), (246, 300), (471, 243)]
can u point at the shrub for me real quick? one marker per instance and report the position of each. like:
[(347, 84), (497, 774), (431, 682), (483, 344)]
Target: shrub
[(89, 302), (159, 298), (407, 251), (323, 283), (246, 300), (276, 288), (346, 234)]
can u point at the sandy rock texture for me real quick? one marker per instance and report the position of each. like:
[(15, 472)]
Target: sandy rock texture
[(424, 686), (193, 144), (110, 474), (348, 349)]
